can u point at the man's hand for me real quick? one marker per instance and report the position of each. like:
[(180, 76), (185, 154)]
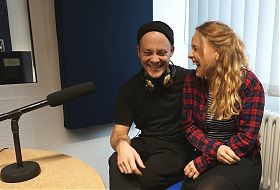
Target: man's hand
[(191, 171), (226, 155), (128, 159)]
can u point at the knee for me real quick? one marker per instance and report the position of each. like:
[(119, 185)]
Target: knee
[(148, 180), (145, 182), (217, 182)]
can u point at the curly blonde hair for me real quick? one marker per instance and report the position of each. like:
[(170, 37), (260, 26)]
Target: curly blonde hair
[(226, 101)]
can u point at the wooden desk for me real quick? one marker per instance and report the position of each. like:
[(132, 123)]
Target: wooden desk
[(58, 171)]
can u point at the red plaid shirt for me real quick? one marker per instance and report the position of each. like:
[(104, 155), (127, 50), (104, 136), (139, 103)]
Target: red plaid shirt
[(194, 112)]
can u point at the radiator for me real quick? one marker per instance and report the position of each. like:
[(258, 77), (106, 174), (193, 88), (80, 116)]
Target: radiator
[(270, 151)]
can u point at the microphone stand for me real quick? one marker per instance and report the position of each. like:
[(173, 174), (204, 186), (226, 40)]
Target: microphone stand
[(19, 171), (22, 171)]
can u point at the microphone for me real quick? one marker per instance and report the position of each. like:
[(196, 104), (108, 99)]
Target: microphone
[(22, 171), (68, 94), (53, 99)]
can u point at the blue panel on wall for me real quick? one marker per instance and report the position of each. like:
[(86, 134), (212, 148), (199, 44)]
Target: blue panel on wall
[(97, 43)]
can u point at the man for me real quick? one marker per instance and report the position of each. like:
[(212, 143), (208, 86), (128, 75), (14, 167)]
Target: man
[(152, 100)]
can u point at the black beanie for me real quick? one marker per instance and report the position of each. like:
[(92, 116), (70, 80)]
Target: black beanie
[(156, 26)]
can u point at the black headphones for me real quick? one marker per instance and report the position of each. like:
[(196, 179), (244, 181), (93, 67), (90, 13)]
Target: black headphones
[(166, 79)]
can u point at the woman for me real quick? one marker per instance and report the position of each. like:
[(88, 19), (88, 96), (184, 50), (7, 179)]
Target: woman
[(223, 106)]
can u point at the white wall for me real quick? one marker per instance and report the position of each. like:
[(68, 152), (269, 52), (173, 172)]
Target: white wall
[(174, 14)]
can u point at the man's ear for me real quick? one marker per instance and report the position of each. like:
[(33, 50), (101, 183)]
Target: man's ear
[(172, 50), (138, 51)]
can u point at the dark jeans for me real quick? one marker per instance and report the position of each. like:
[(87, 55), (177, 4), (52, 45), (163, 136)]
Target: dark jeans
[(164, 161)]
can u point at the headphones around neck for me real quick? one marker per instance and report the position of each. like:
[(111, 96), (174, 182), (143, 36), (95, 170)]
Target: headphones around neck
[(167, 78)]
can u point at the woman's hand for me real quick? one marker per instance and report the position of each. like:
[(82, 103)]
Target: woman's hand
[(226, 156), (191, 171)]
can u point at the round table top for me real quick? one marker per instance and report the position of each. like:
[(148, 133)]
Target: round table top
[(58, 171)]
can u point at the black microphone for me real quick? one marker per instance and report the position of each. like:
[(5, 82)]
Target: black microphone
[(53, 99), (22, 171), (68, 94)]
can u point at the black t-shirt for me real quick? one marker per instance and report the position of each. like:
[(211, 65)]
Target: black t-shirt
[(157, 113)]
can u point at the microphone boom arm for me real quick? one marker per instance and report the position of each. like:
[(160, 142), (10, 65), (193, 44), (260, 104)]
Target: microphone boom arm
[(18, 112)]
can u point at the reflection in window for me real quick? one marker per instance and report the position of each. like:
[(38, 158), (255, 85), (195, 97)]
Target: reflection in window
[(16, 51)]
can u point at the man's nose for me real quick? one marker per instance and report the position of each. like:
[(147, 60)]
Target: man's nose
[(155, 59)]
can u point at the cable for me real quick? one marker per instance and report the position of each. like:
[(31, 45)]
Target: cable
[(3, 149)]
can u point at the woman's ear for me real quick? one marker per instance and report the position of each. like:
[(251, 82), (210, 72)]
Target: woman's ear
[(218, 51), (217, 56)]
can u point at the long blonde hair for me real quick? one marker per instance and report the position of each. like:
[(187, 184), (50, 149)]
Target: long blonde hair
[(226, 101)]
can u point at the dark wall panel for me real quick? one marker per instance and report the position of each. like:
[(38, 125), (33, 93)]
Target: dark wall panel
[(97, 43), (4, 26)]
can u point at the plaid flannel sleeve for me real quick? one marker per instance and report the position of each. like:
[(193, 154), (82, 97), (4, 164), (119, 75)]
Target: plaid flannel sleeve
[(250, 117), (204, 162)]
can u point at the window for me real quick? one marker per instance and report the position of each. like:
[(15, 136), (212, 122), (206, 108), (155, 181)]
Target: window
[(256, 22)]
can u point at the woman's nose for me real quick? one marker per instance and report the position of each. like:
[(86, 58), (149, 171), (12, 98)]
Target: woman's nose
[(190, 55)]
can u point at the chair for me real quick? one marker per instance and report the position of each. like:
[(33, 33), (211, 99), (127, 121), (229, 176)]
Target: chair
[(176, 186)]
